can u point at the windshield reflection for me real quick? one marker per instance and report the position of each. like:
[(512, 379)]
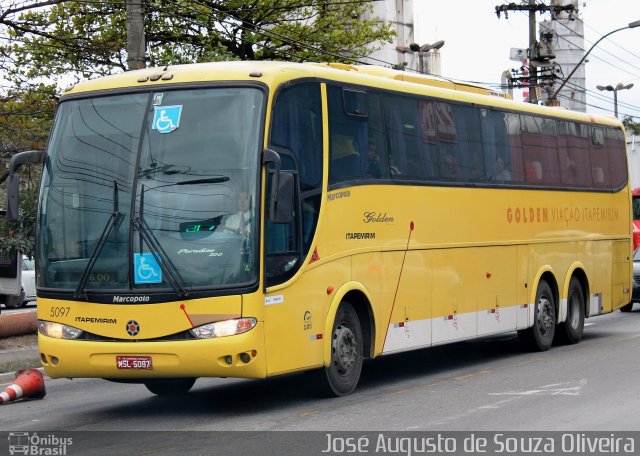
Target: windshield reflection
[(183, 170)]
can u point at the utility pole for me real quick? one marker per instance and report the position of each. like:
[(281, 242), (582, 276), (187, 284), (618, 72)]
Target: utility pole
[(535, 56), (533, 97), (135, 35)]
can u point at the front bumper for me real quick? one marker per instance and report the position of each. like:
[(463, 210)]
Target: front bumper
[(178, 358)]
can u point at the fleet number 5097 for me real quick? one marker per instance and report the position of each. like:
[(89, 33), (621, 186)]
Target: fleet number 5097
[(59, 311)]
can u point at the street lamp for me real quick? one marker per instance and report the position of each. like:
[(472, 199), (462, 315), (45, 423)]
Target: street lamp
[(631, 25), (615, 89), (420, 51)]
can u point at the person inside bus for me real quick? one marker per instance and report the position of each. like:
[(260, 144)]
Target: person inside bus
[(373, 163), (240, 222), (345, 158), (449, 167)]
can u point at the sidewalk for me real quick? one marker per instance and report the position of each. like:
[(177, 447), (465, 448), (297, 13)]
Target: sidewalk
[(18, 343)]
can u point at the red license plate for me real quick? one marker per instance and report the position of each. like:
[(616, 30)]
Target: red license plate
[(134, 362)]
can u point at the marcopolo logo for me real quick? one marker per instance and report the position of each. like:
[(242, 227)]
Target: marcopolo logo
[(130, 299), (34, 444)]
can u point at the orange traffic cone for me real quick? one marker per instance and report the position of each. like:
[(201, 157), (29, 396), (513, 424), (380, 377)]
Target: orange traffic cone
[(29, 384)]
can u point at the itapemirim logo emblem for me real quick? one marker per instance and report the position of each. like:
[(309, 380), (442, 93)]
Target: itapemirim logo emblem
[(34, 444), (133, 328)]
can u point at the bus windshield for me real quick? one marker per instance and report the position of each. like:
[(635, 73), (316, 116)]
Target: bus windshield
[(153, 190)]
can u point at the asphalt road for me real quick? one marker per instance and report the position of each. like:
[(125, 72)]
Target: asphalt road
[(484, 385)]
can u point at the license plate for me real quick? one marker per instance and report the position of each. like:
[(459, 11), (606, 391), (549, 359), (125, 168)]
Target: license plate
[(134, 362)]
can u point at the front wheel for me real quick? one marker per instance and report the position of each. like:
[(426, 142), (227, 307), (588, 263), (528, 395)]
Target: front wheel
[(170, 386), (341, 376), (539, 337)]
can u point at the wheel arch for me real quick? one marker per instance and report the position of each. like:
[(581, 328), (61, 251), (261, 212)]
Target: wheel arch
[(548, 275), (357, 295)]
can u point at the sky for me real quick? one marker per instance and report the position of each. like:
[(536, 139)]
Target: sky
[(477, 44)]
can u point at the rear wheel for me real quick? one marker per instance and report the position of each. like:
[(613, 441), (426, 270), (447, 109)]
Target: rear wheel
[(341, 376), (570, 331), (170, 386), (539, 337), (627, 307)]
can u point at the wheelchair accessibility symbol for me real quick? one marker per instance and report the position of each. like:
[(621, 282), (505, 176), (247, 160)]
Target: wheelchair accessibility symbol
[(146, 268), (166, 118)]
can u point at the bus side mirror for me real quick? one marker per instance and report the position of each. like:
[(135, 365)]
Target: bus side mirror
[(13, 197), (281, 197), (13, 180), (281, 210)]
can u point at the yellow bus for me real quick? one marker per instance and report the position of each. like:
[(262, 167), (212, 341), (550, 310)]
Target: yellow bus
[(252, 219)]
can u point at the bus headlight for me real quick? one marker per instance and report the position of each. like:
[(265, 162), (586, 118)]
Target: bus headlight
[(57, 330), (224, 328)]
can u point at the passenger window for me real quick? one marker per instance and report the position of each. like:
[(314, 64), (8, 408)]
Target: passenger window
[(356, 135)]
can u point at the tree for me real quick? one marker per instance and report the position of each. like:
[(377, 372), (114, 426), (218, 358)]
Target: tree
[(25, 119), (630, 125), (48, 43), (19, 236), (57, 37)]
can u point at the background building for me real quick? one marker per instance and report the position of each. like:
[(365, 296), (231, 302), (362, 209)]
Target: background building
[(404, 52), (566, 31)]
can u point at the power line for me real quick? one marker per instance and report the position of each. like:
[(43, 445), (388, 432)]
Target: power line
[(598, 50), (610, 39)]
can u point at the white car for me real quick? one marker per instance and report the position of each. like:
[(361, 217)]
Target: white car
[(28, 291), (28, 279)]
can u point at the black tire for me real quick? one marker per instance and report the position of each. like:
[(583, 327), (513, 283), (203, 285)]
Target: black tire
[(342, 375), (570, 331), (14, 302), (539, 337), (627, 307), (170, 386)]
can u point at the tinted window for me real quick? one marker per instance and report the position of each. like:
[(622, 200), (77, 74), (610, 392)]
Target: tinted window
[(573, 155), (356, 135), (429, 140), (406, 159), (297, 130), (539, 150), (468, 143), (600, 174), (296, 134), (497, 145), (615, 142)]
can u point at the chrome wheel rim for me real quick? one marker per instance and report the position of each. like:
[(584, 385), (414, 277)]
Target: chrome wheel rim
[(345, 350), (545, 315)]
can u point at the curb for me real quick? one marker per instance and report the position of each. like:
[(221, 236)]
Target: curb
[(18, 323)]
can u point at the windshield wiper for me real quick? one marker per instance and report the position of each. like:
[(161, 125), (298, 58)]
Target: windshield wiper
[(161, 257), (204, 180), (111, 224)]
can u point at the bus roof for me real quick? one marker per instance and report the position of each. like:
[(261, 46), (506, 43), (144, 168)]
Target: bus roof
[(273, 73)]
